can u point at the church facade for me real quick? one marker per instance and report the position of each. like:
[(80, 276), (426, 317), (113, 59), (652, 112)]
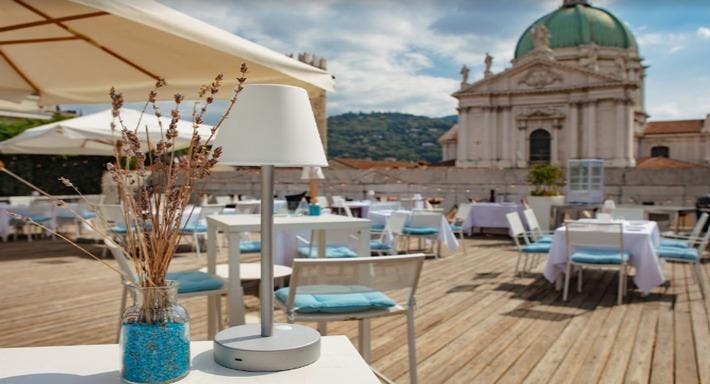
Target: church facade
[(575, 90)]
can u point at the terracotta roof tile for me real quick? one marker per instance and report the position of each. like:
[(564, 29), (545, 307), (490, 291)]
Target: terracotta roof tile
[(664, 163), (449, 135), (673, 126), (370, 164)]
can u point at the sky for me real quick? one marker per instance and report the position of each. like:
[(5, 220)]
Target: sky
[(405, 56)]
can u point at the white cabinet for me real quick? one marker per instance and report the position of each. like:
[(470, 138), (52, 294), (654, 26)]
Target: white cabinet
[(585, 181)]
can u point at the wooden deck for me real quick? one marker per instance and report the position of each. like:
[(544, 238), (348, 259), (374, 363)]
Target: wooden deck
[(475, 322)]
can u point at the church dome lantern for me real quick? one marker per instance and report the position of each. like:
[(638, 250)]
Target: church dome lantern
[(577, 23)]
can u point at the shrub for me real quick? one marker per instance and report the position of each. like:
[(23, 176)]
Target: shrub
[(547, 179)]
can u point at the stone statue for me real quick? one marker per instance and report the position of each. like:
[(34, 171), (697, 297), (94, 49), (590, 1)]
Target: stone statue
[(489, 62), (541, 37), (464, 74)]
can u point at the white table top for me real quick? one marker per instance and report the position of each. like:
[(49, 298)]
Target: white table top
[(96, 364), (250, 271), (242, 223)]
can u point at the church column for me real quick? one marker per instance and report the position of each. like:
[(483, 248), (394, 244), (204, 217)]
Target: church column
[(621, 134), (554, 144), (462, 137), (505, 137), (630, 153), (591, 130), (485, 145), (494, 135), (573, 131)]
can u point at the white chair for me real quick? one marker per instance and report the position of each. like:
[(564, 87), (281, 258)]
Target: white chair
[(464, 209), (195, 225), (690, 255), (527, 249), (338, 201), (378, 279), (604, 216), (224, 200), (608, 207), (340, 244), (537, 235), (322, 201), (190, 283), (595, 245), (672, 239), (424, 225), (21, 200)]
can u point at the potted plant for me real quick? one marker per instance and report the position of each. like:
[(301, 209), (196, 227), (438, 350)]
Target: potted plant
[(155, 186), (546, 179)]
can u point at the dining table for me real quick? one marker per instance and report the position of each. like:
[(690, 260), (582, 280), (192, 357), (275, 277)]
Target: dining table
[(445, 234), (640, 240)]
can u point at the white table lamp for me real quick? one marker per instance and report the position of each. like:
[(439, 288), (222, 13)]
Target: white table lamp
[(270, 126)]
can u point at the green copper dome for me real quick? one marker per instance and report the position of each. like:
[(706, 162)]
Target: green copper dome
[(578, 23)]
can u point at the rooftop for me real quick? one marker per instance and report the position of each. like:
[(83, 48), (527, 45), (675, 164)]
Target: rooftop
[(475, 322), (673, 126)]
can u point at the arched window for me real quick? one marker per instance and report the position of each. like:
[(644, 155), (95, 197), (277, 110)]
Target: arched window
[(660, 151), (540, 146)]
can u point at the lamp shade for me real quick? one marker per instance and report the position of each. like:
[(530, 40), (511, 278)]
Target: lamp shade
[(271, 125), (310, 173)]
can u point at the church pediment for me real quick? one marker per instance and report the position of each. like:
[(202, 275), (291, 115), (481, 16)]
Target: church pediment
[(539, 75)]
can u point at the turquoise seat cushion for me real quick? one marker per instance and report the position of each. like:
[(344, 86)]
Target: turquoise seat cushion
[(195, 281), (377, 227), (194, 228), (456, 228), (252, 246), (336, 299), (378, 245), (37, 218), (536, 248), (331, 251), (544, 239), (599, 256), (689, 254), (420, 231), (674, 243)]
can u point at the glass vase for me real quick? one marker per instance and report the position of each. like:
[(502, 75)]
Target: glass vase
[(155, 336)]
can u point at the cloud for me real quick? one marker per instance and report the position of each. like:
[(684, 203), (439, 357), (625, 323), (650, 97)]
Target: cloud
[(386, 55), (703, 32)]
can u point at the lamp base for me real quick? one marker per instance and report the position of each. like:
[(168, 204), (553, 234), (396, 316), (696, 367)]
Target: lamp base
[(243, 348)]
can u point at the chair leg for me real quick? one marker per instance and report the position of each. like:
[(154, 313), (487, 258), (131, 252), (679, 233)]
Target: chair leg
[(568, 272), (363, 341), (411, 340), (620, 298), (699, 276), (579, 280), (323, 328), (124, 295), (517, 263), (218, 310), (197, 244)]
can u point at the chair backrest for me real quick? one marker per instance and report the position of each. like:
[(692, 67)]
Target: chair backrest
[(338, 201), (609, 206), (516, 228), (385, 274), (223, 200), (463, 211), (703, 243), (322, 201), (604, 216), (594, 236), (425, 219), (533, 224), (124, 264), (348, 211), (629, 213), (21, 200), (699, 225), (112, 214), (396, 222)]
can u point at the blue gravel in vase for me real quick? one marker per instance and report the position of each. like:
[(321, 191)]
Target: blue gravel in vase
[(155, 353)]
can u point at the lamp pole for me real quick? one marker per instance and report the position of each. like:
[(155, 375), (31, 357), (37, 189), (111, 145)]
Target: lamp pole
[(266, 285)]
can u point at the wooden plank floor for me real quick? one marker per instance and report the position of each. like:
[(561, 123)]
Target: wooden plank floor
[(475, 322)]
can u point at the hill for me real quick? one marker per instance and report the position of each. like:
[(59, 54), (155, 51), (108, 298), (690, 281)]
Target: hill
[(380, 135)]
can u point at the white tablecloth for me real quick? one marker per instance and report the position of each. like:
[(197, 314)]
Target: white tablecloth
[(446, 235), (490, 215), (640, 239)]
